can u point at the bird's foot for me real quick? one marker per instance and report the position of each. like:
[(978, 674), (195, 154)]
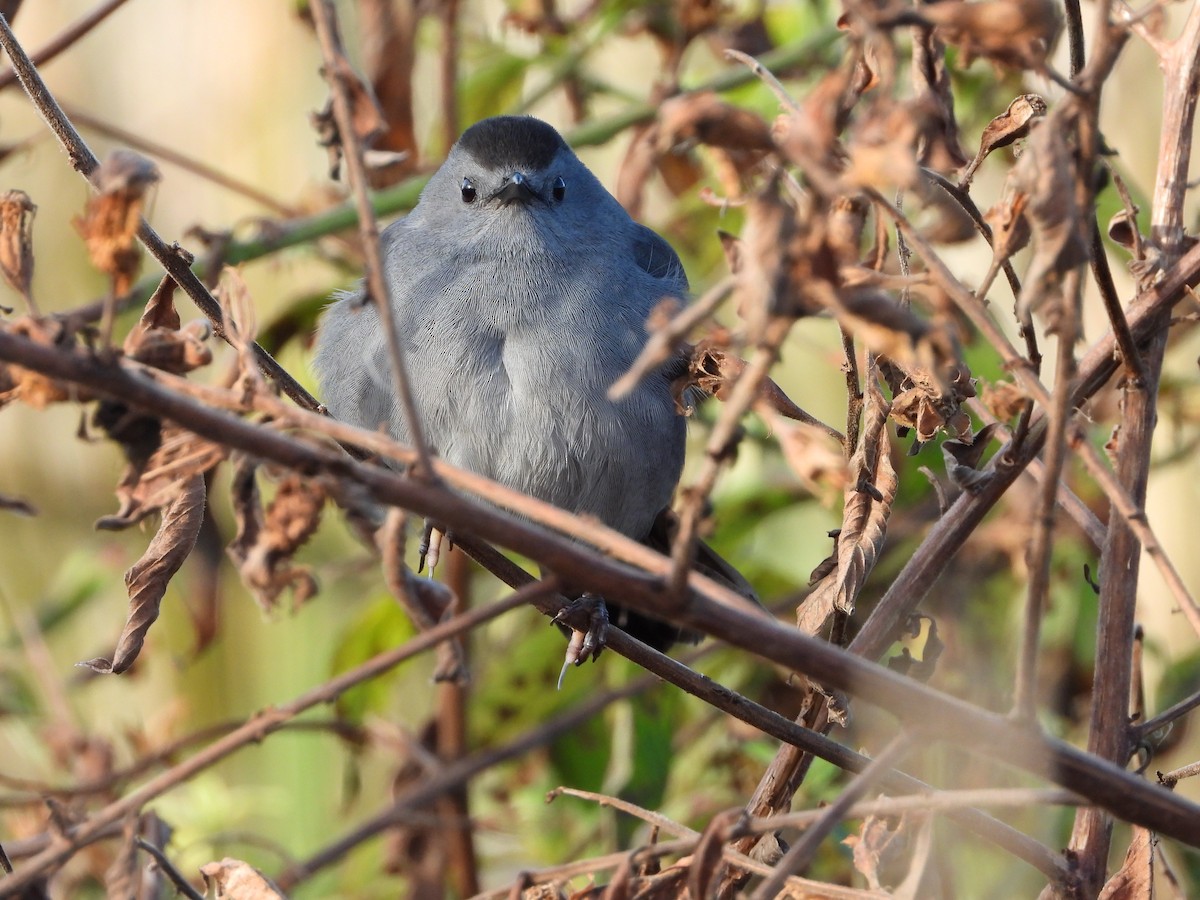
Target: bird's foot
[(587, 618), (431, 547)]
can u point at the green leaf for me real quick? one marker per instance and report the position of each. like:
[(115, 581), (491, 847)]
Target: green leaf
[(380, 625)]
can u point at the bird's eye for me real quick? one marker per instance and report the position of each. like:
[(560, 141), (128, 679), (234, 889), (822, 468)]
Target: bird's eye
[(468, 191), (559, 189)]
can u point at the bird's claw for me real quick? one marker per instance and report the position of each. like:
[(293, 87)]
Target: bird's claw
[(431, 547), (586, 642)]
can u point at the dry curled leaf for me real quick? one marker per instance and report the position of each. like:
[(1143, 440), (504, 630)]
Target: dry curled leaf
[(240, 321), (1123, 229), (365, 115), (232, 879), (786, 266), (869, 494), (879, 842), (962, 458), (1005, 399), (713, 370), (813, 455), (148, 578), (30, 387), (158, 340), (16, 243), (1011, 125), (267, 540), (1015, 33), (704, 118), (1045, 175), (389, 32), (160, 459), (110, 222), (882, 146)]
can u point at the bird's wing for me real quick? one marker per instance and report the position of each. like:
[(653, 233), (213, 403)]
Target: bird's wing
[(656, 257)]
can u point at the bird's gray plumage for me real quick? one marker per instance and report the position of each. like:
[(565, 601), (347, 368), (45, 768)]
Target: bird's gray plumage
[(516, 312)]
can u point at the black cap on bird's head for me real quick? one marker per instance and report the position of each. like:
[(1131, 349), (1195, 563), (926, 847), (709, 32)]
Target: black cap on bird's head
[(514, 143)]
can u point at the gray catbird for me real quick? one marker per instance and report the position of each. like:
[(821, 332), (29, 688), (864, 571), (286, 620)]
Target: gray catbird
[(521, 290)]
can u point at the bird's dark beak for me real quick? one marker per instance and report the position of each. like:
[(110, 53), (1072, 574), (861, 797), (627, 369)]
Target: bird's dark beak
[(516, 190)]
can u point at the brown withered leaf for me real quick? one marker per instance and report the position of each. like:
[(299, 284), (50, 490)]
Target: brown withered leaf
[(30, 387), (713, 370), (679, 172), (808, 136), (880, 841), (869, 494), (1005, 399), (641, 157), (815, 457), (1006, 218), (240, 320), (846, 220), (1045, 174), (883, 325), (1011, 125), (16, 243), (266, 541), (388, 33), (232, 879), (161, 458), (737, 138), (157, 339), (940, 148), (148, 578), (882, 146), (785, 264), (1015, 33), (1123, 230), (110, 221), (943, 220), (962, 458), (365, 115), (704, 118), (1135, 879), (705, 859), (923, 408)]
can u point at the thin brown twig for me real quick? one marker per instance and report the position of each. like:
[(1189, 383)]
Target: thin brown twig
[(65, 39), (1172, 778), (110, 782), (1042, 543), (1169, 715), (455, 773), (378, 288), (173, 874)]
